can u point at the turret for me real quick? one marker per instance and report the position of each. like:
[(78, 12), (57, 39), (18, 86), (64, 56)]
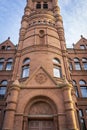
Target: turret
[(42, 38)]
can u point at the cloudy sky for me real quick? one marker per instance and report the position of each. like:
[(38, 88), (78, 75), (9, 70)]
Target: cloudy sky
[(74, 13)]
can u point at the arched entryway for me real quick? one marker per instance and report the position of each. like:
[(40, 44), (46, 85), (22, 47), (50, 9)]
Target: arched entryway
[(40, 114), (41, 124)]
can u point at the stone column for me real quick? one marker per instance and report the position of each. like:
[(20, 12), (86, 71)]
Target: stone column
[(56, 122), (25, 123), (11, 106), (69, 108)]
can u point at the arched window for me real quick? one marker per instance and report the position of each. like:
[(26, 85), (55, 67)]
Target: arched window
[(8, 48), (82, 47), (84, 61), (38, 5), (77, 64), (4, 82), (82, 121), (9, 64), (56, 61), (3, 87), (76, 60), (1, 63), (25, 68), (45, 5), (27, 60), (83, 88), (82, 82), (57, 68), (74, 82), (75, 87), (3, 47)]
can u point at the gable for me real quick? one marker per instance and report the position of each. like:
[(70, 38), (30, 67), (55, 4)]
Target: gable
[(7, 45), (40, 78), (81, 43)]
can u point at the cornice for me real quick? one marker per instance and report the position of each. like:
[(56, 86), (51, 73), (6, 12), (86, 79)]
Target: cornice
[(39, 48), (42, 15)]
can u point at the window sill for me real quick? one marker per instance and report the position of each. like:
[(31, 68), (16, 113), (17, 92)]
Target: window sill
[(5, 70), (58, 79), (23, 79), (82, 99)]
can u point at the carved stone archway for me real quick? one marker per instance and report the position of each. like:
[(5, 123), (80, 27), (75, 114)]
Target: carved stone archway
[(41, 114), (40, 108)]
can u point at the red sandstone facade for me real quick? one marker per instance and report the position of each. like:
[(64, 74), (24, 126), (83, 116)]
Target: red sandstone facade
[(36, 90)]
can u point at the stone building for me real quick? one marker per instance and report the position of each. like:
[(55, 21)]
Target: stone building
[(43, 84)]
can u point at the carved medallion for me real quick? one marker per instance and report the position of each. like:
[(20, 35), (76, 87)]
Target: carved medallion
[(41, 78)]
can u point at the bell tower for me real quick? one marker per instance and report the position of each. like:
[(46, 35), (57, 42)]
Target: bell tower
[(41, 95), (42, 38)]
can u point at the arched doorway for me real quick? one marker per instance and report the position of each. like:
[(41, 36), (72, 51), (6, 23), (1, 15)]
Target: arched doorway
[(41, 124), (42, 115)]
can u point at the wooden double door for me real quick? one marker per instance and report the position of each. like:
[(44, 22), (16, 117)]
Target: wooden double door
[(41, 125)]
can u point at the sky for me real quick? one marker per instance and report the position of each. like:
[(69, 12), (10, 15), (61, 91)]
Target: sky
[(74, 13)]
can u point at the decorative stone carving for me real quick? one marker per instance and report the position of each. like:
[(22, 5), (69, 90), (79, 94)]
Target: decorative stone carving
[(41, 33), (40, 78), (40, 108)]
